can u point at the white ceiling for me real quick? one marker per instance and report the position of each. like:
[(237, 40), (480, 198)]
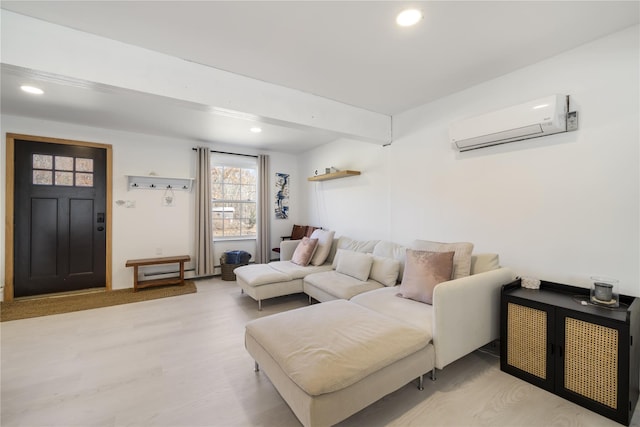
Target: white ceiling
[(348, 51)]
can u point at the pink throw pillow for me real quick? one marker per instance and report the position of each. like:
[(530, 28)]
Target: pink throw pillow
[(304, 251), (423, 271)]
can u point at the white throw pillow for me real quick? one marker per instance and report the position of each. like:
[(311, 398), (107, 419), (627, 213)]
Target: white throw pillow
[(461, 258), (325, 238), (385, 270), (391, 250), (348, 243), (354, 264)]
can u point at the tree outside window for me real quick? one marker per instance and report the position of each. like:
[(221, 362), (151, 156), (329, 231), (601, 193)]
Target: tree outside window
[(233, 201)]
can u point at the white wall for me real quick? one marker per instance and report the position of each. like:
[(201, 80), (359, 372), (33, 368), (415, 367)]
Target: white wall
[(561, 208), (141, 231), (282, 227), (357, 206)]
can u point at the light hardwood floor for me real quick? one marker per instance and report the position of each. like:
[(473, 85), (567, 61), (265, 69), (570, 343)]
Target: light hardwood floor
[(181, 362)]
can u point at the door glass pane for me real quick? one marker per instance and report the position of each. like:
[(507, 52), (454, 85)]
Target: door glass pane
[(42, 161), (84, 179), (64, 164), (84, 165), (42, 177), (63, 178)]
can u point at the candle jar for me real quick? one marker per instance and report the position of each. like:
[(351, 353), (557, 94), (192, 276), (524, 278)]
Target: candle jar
[(603, 291)]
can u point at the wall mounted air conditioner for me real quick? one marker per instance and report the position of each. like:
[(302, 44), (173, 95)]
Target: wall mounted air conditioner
[(541, 117)]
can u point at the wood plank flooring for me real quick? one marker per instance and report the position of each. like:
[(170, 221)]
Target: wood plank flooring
[(181, 362)]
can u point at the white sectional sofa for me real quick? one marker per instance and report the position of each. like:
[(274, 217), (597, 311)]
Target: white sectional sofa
[(330, 360), (357, 267), (323, 282)]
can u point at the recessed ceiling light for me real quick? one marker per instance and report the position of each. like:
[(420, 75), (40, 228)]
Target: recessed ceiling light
[(32, 89), (409, 17), (255, 129)]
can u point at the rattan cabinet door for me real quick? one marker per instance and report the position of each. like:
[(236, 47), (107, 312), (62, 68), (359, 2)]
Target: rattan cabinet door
[(528, 331), (593, 364)]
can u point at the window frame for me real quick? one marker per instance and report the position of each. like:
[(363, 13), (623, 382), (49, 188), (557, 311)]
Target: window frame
[(233, 161)]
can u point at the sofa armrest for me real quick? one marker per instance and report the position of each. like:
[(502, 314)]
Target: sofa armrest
[(287, 248), (466, 314)]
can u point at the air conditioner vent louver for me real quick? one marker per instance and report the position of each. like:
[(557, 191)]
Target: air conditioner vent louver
[(533, 119)]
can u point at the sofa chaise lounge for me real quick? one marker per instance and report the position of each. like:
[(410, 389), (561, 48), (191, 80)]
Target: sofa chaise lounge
[(330, 360)]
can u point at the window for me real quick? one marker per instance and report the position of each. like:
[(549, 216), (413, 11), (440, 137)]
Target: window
[(62, 171), (233, 196)]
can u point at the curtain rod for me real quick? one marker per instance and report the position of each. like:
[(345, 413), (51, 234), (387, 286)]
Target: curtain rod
[(226, 152)]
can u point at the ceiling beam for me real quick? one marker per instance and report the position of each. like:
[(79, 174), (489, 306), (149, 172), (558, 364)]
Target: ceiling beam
[(82, 57)]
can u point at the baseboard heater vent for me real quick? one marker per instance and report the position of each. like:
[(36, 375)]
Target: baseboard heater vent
[(165, 273)]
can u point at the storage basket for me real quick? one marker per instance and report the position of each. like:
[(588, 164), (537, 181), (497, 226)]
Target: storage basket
[(240, 257)]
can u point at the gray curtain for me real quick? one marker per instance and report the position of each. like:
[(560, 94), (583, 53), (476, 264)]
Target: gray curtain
[(263, 243), (204, 235)]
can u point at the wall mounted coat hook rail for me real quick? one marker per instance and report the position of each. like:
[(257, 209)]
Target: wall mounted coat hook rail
[(155, 182)]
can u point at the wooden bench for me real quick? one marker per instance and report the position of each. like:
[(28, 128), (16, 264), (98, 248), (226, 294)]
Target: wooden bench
[(135, 263)]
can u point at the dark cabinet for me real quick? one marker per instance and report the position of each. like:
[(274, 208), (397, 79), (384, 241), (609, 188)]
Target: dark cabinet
[(585, 353)]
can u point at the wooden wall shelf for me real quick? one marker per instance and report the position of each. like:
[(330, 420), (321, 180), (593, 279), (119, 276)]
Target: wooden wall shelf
[(334, 175)]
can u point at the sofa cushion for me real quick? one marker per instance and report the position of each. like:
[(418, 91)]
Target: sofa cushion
[(260, 274), (343, 342), (385, 301), (423, 271), (339, 285), (295, 271), (391, 250), (461, 258), (354, 264), (304, 251), (325, 238), (385, 270), (481, 263), (366, 246)]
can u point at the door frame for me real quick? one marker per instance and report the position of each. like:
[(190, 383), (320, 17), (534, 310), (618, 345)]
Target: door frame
[(9, 203)]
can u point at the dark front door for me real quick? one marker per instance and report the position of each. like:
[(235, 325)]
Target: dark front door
[(59, 218)]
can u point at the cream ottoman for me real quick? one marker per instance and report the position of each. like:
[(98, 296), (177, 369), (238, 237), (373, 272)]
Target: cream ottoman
[(330, 360), (261, 281)]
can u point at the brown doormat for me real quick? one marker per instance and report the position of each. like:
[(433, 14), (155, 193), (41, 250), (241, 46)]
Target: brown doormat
[(23, 309)]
